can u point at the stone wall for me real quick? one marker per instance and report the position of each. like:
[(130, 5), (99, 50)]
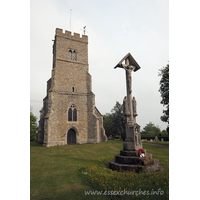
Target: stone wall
[(69, 85), (102, 136)]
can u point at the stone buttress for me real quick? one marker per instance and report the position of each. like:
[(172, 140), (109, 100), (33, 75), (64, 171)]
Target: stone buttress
[(69, 112)]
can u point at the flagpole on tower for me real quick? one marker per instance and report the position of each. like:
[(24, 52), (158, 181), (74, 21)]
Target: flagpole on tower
[(70, 20)]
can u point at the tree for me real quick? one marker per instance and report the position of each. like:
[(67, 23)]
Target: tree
[(164, 91), (107, 123), (41, 113), (33, 126), (150, 128), (164, 132), (118, 120), (114, 122)]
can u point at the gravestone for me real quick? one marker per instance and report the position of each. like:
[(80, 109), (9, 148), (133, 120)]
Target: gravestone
[(151, 140), (129, 158), (156, 139), (162, 140), (111, 137)]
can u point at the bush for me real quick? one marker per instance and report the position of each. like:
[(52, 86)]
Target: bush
[(151, 128), (33, 126), (152, 136)]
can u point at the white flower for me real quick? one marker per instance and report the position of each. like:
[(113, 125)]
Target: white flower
[(142, 155)]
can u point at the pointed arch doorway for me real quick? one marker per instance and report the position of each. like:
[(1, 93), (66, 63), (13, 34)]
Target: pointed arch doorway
[(71, 137)]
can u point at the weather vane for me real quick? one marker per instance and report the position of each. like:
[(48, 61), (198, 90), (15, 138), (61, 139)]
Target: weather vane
[(84, 30)]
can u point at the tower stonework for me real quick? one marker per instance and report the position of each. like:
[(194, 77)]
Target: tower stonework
[(69, 113)]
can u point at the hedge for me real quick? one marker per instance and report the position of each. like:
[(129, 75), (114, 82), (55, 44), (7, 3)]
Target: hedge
[(152, 136)]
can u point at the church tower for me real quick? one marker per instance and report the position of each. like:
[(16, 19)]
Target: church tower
[(69, 112)]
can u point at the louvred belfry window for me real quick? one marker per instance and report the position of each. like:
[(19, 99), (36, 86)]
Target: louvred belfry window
[(74, 55), (70, 54)]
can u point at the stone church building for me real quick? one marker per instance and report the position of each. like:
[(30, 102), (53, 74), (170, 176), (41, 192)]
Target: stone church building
[(69, 114)]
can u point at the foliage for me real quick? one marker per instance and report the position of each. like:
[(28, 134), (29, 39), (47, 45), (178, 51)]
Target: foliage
[(152, 136), (114, 122), (41, 113), (164, 91), (118, 120), (33, 126), (108, 123), (163, 132), (150, 128), (63, 172), (97, 172)]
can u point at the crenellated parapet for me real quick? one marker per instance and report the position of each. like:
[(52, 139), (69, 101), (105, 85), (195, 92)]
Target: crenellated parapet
[(68, 34), (69, 113)]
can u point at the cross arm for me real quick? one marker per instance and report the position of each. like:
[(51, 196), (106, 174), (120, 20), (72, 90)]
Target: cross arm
[(119, 65), (124, 66)]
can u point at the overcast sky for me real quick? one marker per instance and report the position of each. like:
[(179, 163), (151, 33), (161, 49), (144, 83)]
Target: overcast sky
[(114, 28)]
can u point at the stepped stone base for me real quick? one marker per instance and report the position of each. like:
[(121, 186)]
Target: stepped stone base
[(130, 161)]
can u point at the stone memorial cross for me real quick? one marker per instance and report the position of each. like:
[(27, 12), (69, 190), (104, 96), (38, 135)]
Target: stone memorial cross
[(130, 158), (133, 137)]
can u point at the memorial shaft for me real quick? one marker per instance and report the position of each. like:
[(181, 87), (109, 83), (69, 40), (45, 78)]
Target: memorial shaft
[(129, 90), (130, 157), (133, 136)]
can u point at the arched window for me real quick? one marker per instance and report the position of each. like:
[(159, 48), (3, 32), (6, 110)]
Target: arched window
[(72, 89), (74, 55), (70, 54), (72, 113), (75, 115)]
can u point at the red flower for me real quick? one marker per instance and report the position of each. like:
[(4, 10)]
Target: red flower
[(141, 151)]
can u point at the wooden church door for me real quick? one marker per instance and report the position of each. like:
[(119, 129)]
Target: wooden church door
[(71, 137)]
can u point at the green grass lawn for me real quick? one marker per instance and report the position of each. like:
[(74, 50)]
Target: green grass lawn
[(65, 172), (159, 143)]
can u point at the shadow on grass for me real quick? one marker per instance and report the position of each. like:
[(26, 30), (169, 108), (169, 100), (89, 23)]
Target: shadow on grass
[(33, 143)]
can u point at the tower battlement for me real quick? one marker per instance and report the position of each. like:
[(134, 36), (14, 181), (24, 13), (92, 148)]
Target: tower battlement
[(69, 113), (68, 34)]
